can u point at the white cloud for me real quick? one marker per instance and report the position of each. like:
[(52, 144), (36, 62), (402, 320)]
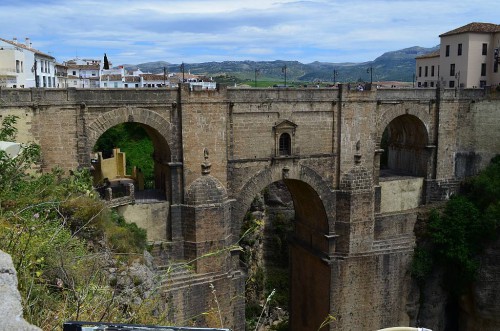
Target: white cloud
[(215, 30)]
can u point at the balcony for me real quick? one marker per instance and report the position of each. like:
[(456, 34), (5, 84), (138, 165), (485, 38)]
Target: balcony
[(8, 72)]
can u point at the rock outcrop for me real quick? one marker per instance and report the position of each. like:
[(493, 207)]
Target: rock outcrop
[(10, 303)]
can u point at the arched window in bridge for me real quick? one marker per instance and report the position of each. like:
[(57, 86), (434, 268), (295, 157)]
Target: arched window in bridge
[(285, 144), (284, 133)]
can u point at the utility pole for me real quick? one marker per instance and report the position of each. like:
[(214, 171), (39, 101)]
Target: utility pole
[(164, 77), (335, 74), (256, 72)]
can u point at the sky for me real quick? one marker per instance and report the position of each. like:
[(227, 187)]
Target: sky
[(193, 31)]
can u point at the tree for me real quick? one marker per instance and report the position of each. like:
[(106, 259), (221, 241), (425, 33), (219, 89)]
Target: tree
[(106, 63), (13, 169)]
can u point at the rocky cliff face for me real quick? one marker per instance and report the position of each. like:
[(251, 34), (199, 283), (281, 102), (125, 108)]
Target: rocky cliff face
[(480, 309), (10, 303)]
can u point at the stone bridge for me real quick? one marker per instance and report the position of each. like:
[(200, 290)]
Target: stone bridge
[(358, 164)]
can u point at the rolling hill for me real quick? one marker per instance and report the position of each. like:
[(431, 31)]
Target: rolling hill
[(391, 66)]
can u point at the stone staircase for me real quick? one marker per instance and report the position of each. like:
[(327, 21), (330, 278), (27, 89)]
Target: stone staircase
[(178, 276), (392, 245)]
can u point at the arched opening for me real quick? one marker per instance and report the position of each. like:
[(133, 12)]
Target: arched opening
[(403, 142), (403, 164), (285, 144), (285, 247), (132, 153)]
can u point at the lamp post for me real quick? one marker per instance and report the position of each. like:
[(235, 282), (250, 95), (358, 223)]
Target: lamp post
[(370, 70), (182, 69), (284, 70)]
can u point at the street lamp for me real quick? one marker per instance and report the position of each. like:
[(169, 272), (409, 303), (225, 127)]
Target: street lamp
[(284, 70), (182, 69), (370, 70)]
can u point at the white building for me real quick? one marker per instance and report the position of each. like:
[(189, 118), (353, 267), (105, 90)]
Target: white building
[(468, 58), (83, 73), (23, 66)]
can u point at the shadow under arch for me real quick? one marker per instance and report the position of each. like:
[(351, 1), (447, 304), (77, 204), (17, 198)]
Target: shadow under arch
[(404, 142), (310, 273), (157, 128)]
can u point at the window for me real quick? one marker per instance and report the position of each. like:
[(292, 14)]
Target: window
[(447, 50), (432, 84), (426, 71), (44, 81), (452, 83), (126, 85), (74, 72), (495, 67), (115, 84), (419, 71), (432, 71), (285, 144), (482, 83), (22, 66), (485, 49), (105, 84), (452, 69), (459, 51), (18, 66), (483, 69)]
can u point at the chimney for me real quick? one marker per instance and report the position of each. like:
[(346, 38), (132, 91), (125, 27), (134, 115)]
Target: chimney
[(27, 42)]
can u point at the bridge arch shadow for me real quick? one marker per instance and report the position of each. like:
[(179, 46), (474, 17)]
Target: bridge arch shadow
[(309, 246)]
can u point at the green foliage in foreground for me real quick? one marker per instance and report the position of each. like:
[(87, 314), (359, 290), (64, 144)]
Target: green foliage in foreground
[(458, 235), (62, 240)]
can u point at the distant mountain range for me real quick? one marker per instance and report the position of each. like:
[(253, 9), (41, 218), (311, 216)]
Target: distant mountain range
[(391, 66)]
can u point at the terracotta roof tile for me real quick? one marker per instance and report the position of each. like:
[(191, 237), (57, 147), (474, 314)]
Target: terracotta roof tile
[(429, 55), (23, 46), (474, 27), (112, 78)]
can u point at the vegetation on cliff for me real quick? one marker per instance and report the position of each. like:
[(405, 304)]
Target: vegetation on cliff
[(456, 236), (70, 251)]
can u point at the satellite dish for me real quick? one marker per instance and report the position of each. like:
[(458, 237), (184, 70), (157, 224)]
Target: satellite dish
[(10, 148)]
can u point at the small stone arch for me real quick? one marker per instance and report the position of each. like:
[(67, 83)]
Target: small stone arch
[(401, 109), (156, 126), (117, 116), (407, 139)]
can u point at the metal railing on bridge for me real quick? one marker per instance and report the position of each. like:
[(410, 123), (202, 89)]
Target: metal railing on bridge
[(101, 326)]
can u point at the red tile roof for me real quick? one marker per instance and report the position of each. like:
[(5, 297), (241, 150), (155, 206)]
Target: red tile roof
[(474, 27), (429, 55), (23, 46)]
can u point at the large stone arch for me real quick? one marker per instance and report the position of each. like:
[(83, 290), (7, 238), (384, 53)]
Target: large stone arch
[(310, 273), (269, 175)]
